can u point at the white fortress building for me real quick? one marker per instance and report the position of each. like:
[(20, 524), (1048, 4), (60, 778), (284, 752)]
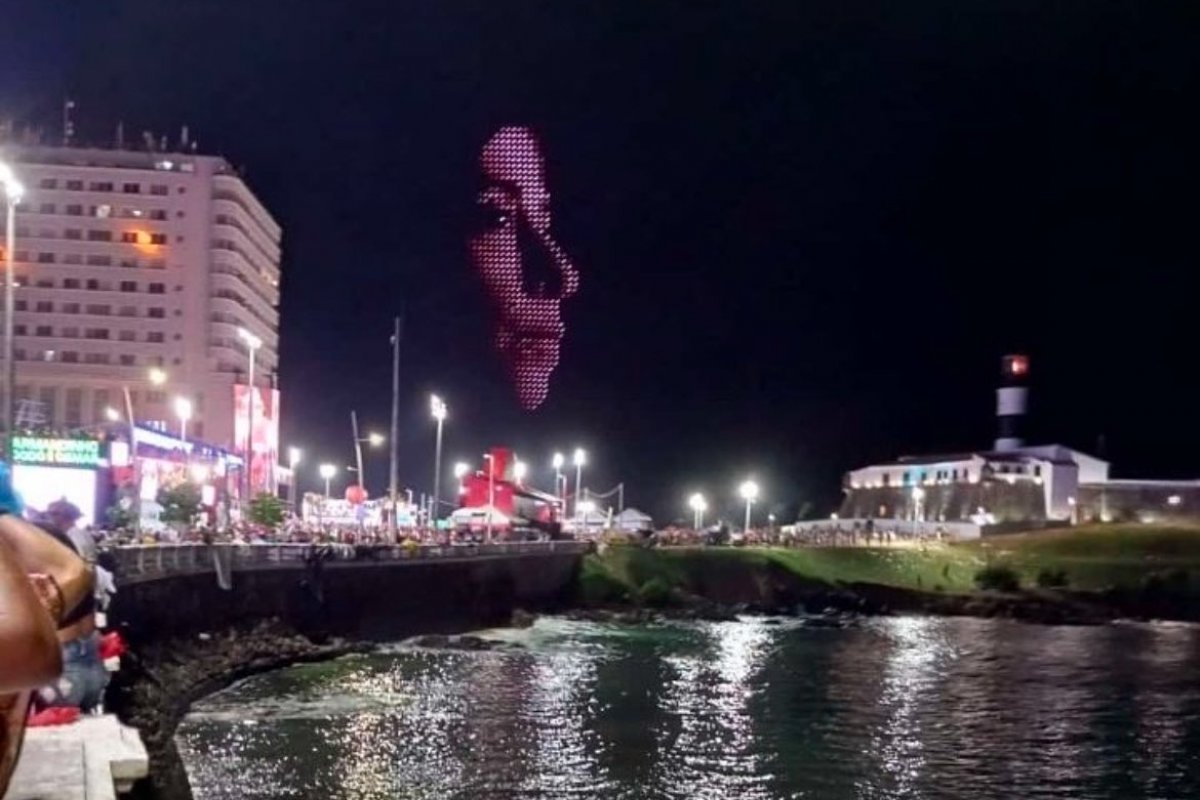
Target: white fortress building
[(130, 261)]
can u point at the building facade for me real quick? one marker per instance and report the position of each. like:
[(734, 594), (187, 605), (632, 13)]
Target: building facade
[(131, 261)]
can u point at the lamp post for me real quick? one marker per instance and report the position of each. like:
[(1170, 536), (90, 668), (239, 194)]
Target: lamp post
[(698, 505), (157, 377), (327, 471), (13, 191), (558, 462), (183, 410), (438, 409), (373, 439), (460, 471), (294, 457), (749, 492), (491, 468), (580, 459), (252, 344)]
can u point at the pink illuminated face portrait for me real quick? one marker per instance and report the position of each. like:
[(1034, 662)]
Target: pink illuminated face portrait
[(527, 274)]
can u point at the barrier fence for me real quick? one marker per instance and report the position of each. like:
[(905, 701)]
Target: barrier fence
[(144, 562)]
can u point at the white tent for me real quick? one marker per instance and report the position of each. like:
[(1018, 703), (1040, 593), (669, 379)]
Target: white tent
[(478, 518), (633, 521)]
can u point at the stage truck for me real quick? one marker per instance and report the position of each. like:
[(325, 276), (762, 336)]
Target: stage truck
[(518, 511)]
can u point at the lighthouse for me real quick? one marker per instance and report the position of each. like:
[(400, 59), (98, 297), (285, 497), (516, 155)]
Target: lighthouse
[(1012, 401)]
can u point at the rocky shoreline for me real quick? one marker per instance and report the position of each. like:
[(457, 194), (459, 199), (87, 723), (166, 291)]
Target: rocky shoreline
[(158, 683)]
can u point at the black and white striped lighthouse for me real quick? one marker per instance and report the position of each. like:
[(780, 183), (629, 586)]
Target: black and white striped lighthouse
[(1012, 400)]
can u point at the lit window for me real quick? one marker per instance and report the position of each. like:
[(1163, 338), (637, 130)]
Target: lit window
[(1174, 500)]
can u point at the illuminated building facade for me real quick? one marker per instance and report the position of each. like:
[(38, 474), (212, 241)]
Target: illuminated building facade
[(133, 260)]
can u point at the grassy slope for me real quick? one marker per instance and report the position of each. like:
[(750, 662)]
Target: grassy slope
[(1093, 557)]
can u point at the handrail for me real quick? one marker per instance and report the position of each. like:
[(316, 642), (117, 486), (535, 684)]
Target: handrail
[(143, 562)]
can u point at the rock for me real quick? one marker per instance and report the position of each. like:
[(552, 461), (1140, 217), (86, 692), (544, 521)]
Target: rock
[(434, 640), (522, 619)]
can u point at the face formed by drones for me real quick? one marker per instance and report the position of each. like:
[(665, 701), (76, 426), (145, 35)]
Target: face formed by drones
[(527, 274)]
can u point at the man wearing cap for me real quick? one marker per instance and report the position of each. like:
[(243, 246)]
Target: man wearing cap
[(65, 515)]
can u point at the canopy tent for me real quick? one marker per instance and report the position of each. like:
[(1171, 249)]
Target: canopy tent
[(477, 517), (632, 520)]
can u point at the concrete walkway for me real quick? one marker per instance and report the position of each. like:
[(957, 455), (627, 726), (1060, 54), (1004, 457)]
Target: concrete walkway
[(92, 759)]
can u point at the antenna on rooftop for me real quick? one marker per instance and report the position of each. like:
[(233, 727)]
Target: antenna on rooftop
[(68, 128)]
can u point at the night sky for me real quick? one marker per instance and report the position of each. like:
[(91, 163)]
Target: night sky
[(806, 231)]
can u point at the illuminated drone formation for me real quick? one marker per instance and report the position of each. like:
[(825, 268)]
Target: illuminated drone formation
[(527, 274)]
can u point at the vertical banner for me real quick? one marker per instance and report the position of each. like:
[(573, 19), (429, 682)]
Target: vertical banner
[(264, 437)]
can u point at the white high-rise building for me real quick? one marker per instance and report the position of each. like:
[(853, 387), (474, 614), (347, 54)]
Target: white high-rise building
[(132, 261)]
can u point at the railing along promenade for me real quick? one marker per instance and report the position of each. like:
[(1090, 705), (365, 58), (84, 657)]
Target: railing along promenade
[(148, 562)]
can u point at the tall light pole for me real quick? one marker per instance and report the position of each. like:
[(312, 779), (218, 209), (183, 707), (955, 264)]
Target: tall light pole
[(393, 452), (460, 470), (327, 471), (580, 459), (13, 191), (183, 410), (294, 457), (559, 488), (698, 505), (373, 439), (252, 345), (491, 468), (438, 409), (749, 492)]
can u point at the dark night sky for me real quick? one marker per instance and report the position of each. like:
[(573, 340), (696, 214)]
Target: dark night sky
[(807, 230)]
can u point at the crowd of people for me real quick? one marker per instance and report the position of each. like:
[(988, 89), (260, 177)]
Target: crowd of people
[(830, 533)]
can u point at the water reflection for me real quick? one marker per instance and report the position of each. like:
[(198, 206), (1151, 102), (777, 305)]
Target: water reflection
[(888, 708)]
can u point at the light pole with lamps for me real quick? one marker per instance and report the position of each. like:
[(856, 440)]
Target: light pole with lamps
[(373, 439), (749, 492), (580, 459), (252, 344), (183, 410), (558, 462), (327, 471), (698, 505), (13, 191), (491, 467), (294, 457), (438, 409)]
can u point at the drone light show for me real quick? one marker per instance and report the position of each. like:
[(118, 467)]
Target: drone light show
[(527, 274)]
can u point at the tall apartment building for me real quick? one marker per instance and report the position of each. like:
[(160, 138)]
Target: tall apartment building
[(129, 261)]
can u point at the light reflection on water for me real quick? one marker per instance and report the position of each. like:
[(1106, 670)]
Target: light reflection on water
[(906, 707)]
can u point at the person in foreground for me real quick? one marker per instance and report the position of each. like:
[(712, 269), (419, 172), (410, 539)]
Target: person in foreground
[(40, 580)]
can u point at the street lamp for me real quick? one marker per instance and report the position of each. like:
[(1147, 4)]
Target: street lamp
[(698, 505), (438, 409), (491, 468), (373, 439), (13, 191), (157, 377), (580, 460), (520, 470), (252, 344), (327, 471), (460, 471), (749, 492), (183, 410), (112, 415), (294, 456), (559, 484)]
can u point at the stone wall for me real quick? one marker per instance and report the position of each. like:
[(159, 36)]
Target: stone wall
[(353, 599)]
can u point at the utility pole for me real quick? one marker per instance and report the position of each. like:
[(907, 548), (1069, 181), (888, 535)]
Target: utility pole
[(393, 477), (357, 447)]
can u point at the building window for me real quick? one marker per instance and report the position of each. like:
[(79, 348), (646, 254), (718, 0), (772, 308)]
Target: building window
[(19, 330), (1037, 471), (44, 283), (99, 236), (155, 337), (127, 336), (158, 189), (99, 261), (95, 358), (74, 210), (73, 413), (44, 306), (72, 258), (156, 313), (129, 263), (70, 308), (158, 238), (157, 288), (75, 186), (46, 208), (45, 258), (100, 186), (127, 360), (48, 183), (129, 237), (158, 214), (70, 283), (96, 333), (43, 330), (70, 332), (99, 310), (99, 403), (102, 211), (132, 188), (93, 284), (21, 305), (128, 286), (48, 395), (73, 234), (128, 311), (156, 263), (70, 357)]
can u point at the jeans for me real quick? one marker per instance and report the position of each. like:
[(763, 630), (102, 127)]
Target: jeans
[(83, 678)]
